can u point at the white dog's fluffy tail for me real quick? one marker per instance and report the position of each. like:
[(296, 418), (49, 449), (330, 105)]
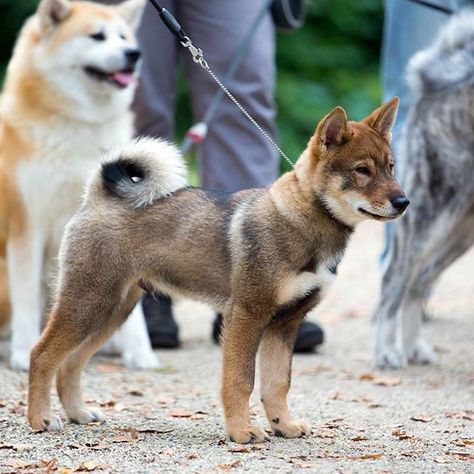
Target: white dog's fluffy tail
[(143, 171)]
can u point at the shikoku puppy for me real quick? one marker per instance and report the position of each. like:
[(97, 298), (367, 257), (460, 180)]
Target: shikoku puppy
[(264, 257), (66, 100)]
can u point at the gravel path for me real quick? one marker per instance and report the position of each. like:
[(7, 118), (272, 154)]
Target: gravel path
[(416, 420)]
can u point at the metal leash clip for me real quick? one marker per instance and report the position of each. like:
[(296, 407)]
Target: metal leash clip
[(197, 54)]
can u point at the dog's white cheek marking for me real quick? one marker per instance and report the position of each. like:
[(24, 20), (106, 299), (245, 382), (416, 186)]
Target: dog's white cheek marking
[(304, 283)]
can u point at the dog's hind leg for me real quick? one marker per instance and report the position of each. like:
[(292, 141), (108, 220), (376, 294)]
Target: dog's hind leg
[(443, 250), (4, 298), (418, 254), (79, 314), (276, 352), (68, 380)]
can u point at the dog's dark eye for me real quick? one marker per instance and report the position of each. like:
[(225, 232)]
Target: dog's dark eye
[(100, 36), (363, 170)]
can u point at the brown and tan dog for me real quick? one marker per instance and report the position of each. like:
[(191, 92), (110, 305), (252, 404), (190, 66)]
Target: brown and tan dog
[(263, 257)]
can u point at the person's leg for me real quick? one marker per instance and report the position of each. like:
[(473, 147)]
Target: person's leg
[(235, 155), (403, 36), (154, 115)]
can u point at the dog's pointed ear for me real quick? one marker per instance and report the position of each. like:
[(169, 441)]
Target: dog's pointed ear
[(131, 11), (332, 130), (52, 12), (383, 118)]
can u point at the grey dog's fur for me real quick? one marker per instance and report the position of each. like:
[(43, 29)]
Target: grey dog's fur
[(437, 175)]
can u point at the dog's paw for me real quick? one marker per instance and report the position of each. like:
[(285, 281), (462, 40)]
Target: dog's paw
[(20, 360), (422, 353), (140, 360), (249, 434), (390, 358), (49, 423), (84, 416), (292, 429)]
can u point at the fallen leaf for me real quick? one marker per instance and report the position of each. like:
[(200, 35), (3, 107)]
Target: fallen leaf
[(367, 456), (166, 400), (126, 438), (460, 454), (167, 452), (239, 449), (402, 434), (136, 393), (463, 442), (410, 454), (316, 369), (442, 460), (16, 447), (230, 465), (155, 430), (367, 376), (87, 466), (359, 438), (423, 418), (328, 433), (300, 463), (466, 415), (19, 464), (181, 413), (387, 381), (105, 368), (108, 403)]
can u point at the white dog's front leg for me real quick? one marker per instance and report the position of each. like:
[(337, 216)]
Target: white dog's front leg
[(133, 341), (25, 270)]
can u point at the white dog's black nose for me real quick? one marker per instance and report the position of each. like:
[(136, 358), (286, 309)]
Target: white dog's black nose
[(132, 55), (400, 203)]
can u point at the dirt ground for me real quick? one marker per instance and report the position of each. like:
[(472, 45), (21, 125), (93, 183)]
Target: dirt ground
[(417, 420)]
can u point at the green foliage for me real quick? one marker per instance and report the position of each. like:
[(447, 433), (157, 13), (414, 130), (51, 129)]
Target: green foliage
[(333, 60)]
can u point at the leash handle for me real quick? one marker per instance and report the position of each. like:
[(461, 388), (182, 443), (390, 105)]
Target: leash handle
[(170, 21)]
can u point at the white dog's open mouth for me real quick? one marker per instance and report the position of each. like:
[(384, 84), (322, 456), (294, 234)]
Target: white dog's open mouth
[(121, 79)]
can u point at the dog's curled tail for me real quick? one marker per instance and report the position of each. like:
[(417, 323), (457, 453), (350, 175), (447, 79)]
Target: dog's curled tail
[(143, 171)]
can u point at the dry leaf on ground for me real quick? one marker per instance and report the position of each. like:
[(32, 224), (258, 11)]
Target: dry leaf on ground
[(423, 418), (367, 456), (228, 466)]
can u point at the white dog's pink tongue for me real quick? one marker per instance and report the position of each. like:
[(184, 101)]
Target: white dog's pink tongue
[(123, 78)]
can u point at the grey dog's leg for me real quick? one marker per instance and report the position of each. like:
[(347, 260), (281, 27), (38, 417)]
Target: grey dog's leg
[(415, 262)]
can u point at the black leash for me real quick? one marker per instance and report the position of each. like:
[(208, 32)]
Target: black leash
[(433, 6)]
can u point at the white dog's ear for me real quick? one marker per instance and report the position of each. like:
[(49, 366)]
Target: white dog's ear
[(53, 12), (383, 118), (131, 11)]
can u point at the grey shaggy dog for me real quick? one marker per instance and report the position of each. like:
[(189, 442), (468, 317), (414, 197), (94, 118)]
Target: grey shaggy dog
[(437, 175)]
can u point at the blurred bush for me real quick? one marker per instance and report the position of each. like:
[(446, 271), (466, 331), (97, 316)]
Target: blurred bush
[(332, 60)]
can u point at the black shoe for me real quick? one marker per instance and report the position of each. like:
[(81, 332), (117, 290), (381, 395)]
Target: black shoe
[(162, 327), (309, 335)]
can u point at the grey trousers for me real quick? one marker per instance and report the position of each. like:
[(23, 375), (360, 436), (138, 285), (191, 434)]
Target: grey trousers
[(235, 155)]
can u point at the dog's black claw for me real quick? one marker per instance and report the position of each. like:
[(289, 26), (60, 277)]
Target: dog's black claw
[(276, 420), (279, 433), (46, 422)]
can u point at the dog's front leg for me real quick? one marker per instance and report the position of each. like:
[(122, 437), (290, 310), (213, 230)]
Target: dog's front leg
[(242, 334), (25, 268), (276, 352)]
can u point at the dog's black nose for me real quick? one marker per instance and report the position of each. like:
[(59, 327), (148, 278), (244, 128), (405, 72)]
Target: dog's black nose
[(132, 55), (400, 203)]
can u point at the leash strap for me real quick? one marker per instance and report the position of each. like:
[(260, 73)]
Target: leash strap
[(439, 8), (198, 57)]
